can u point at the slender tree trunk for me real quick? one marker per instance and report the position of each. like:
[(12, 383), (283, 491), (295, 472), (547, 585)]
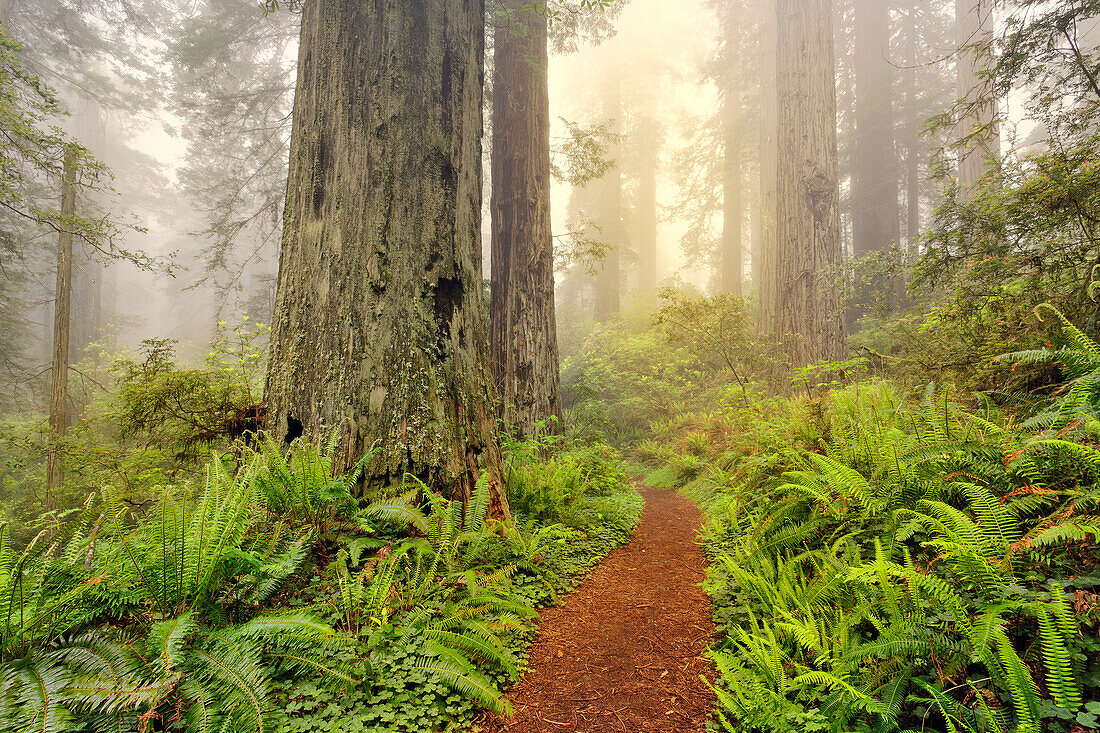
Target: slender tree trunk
[(5, 12), (649, 144), (980, 139), (380, 330), (523, 325), (765, 275), (91, 131), (732, 200), (912, 136), (609, 205), (808, 222), (754, 243), (59, 372)]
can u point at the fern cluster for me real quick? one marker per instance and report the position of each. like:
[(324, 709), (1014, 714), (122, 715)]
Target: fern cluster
[(117, 625), (901, 565)]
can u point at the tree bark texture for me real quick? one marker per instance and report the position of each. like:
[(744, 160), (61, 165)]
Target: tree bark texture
[(806, 298), (523, 324), (875, 214), (980, 139), (764, 275), (379, 329), (609, 207), (59, 372)]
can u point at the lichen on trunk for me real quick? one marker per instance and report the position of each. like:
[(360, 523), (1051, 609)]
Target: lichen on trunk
[(379, 329)]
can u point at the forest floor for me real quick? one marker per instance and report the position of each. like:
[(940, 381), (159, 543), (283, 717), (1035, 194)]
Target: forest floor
[(625, 650)]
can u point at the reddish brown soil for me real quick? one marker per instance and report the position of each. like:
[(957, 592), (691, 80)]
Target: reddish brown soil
[(624, 653)]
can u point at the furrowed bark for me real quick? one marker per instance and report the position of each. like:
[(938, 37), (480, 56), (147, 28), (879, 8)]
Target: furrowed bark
[(379, 329), (806, 298), (523, 325)]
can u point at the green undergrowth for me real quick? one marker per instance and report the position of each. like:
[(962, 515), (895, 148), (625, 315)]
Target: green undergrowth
[(267, 596), (887, 561)]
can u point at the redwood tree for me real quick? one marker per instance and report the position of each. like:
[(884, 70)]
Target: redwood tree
[(805, 297), (379, 330), (523, 325), (609, 203)]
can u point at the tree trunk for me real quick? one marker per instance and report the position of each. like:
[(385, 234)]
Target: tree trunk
[(875, 225), (765, 275), (648, 140), (523, 325), (806, 301), (59, 372), (91, 131), (380, 330), (5, 12), (912, 137), (609, 207), (875, 211), (980, 140), (732, 206)]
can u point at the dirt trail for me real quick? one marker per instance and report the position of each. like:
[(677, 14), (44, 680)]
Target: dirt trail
[(624, 653)]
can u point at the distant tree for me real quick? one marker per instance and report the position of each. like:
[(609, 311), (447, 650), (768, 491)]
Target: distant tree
[(39, 155), (979, 138), (608, 200), (379, 329), (765, 275), (646, 141), (233, 72), (875, 176), (713, 166)]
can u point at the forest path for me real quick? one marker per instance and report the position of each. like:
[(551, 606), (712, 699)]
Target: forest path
[(625, 650)]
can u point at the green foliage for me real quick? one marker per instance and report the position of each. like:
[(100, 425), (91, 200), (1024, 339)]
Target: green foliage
[(886, 564), (188, 412), (180, 629)]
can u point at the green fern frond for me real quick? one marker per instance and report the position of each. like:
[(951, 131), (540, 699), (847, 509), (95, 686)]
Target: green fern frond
[(461, 676)]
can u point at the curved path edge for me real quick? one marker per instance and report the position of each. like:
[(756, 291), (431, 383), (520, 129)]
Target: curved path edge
[(625, 651)]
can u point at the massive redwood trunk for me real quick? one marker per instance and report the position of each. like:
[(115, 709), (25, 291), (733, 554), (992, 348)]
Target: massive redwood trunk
[(379, 329), (806, 298), (523, 325)]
